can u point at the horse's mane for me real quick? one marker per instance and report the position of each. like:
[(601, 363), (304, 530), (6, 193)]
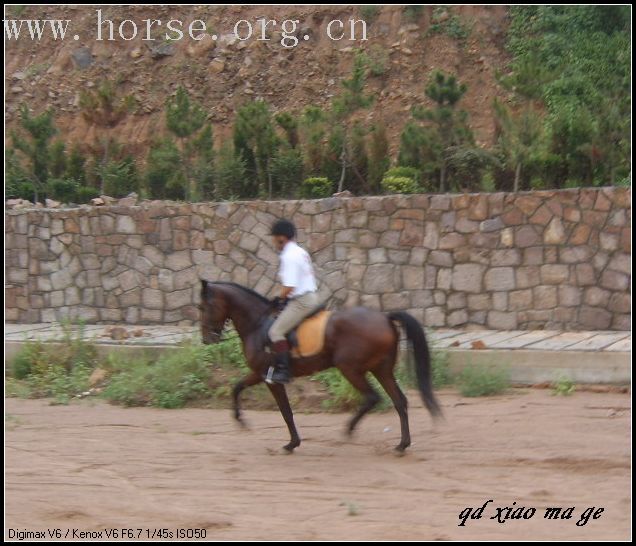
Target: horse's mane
[(245, 289)]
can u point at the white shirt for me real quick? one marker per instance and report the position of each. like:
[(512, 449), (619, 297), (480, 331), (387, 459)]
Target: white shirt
[(296, 270)]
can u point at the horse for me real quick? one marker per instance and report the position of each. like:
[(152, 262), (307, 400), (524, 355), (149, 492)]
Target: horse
[(357, 341)]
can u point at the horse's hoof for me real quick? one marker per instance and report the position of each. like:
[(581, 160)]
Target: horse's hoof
[(289, 448), (401, 448)]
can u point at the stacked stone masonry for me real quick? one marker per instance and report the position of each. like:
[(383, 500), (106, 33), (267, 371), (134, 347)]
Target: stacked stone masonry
[(537, 260)]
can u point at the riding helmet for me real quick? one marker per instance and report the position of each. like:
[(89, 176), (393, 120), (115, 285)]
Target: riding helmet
[(284, 228)]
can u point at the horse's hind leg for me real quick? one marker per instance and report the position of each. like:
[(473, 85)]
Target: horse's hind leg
[(387, 380), (371, 398), (249, 380), (280, 395)]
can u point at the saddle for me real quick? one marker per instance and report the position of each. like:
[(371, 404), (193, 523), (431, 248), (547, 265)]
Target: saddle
[(308, 338)]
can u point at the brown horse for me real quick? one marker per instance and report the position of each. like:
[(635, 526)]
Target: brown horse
[(357, 341)]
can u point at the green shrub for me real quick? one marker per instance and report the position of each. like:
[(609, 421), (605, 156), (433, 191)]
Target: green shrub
[(404, 172), (377, 59), (399, 184), (412, 12), (63, 190), (59, 370), (563, 386), (441, 372), (481, 380), (85, 193), (316, 188), (369, 13)]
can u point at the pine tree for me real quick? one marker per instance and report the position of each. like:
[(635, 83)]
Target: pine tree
[(34, 143), (379, 161), (352, 99), (256, 140), (312, 135), (289, 123), (520, 137), (449, 122), (105, 108), (184, 119), (230, 173)]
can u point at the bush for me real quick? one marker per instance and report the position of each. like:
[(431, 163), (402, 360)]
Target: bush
[(442, 376), (369, 13), (85, 193), (61, 370), (405, 172), (480, 380), (399, 184), (64, 190), (175, 378), (286, 169), (316, 188)]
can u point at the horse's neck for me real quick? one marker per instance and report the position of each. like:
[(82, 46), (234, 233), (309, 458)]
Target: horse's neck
[(246, 313)]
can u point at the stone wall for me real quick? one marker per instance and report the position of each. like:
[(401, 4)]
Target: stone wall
[(552, 259)]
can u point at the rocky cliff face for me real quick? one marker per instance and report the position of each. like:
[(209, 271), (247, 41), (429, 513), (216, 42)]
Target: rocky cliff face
[(225, 73)]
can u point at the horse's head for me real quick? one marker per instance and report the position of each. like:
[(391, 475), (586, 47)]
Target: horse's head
[(214, 313)]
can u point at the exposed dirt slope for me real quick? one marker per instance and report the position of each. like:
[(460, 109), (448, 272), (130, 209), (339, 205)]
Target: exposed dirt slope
[(222, 75)]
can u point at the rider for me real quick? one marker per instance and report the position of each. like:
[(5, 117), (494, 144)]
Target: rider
[(298, 296)]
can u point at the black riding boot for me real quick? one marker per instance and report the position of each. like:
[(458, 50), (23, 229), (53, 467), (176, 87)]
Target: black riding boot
[(279, 372)]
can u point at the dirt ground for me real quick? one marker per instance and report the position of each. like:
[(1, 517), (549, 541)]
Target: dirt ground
[(93, 466)]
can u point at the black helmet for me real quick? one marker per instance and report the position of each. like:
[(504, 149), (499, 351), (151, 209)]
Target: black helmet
[(285, 228)]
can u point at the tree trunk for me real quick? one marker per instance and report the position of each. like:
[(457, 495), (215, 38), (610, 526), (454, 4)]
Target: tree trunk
[(517, 177), (442, 178), (105, 159), (343, 159)]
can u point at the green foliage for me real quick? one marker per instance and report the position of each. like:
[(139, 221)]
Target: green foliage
[(186, 120), (481, 380), (256, 141), (59, 370), (404, 172), (119, 178), (167, 382), (33, 142), (289, 123), (85, 193), (164, 178), (444, 22), (563, 386), (378, 156), (412, 13), (286, 171), (467, 165), (230, 173), (440, 372), (576, 61), (183, 116), (447, 127), (316, 188), (377, 60), (312, 132), (369, 13), (64, 190), (399, 184)]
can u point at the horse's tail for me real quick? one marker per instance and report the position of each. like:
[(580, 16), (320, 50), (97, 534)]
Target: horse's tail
[(419, 347)]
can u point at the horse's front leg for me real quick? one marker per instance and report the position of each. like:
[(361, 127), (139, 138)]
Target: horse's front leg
[(280, 395), (252, 379)]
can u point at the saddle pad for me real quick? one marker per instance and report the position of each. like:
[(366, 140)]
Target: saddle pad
[(311, 335)]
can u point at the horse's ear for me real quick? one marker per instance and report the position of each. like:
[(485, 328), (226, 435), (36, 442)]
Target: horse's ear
[(205, 290)]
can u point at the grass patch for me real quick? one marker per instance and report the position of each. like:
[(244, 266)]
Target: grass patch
[(482, 380), (563, 386), (61, 370)]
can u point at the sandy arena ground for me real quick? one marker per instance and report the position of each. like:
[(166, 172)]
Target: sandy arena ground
[(93, 466)]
